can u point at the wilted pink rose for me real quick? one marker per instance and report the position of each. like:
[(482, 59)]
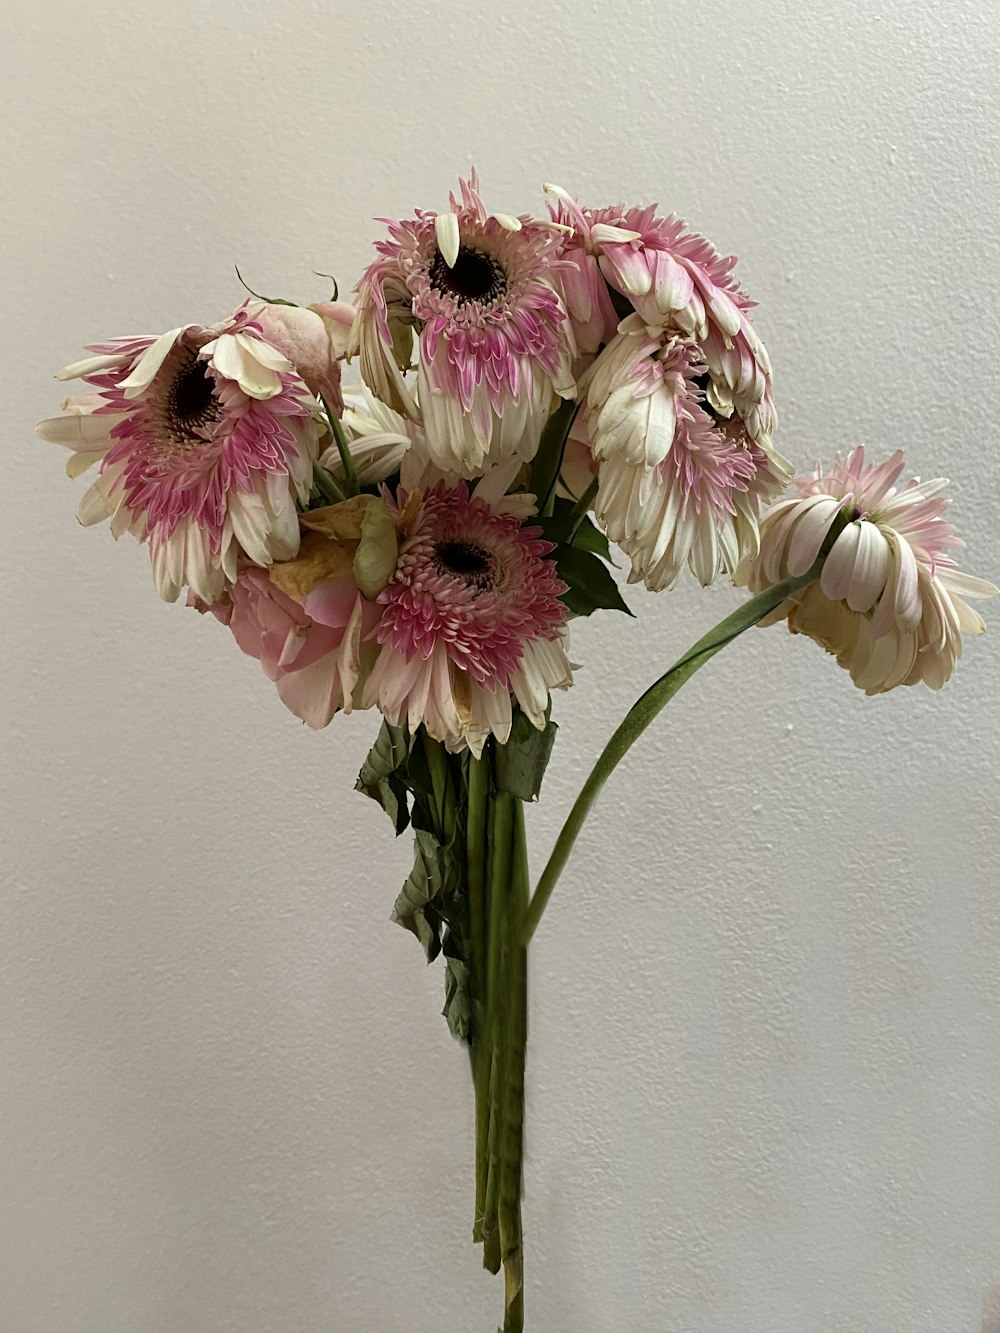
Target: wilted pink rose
[(317, 651)]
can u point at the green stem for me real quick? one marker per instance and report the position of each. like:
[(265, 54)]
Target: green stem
[(477, 817), (477, 814), (501, 828), (514, 1039), (548, 460), (638, 718), (343, 448), (579, 511), (327, 486)]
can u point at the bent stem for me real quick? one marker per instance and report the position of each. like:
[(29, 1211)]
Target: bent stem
[(638, 718)]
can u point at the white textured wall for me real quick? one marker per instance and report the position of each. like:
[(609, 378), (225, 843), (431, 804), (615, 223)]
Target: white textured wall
[(765, 1004)]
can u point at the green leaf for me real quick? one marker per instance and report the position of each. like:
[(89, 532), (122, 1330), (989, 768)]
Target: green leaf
[(519, 766), (457, 999), (561, 522), (590, 584), (382, 774), (425, 900)]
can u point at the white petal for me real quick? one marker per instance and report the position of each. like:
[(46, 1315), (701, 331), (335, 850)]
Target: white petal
[(838, 567), (446, 231), (494, 485), (233, 356), (603, 233), (508, 221), (77, 431), (871, 568), (809, 535), (144, 370), (966, 585), (89, 365)]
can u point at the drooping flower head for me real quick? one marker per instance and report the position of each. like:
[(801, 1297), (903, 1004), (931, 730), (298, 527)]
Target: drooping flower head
[(676, 280), (472, 618), (206, 438), (677, 405), (475, 291), (890, 600), (678, 484)]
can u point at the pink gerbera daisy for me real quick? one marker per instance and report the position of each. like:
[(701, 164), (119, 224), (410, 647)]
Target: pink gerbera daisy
[(890, 600), (472, 620), (492, 336), (206, 438)]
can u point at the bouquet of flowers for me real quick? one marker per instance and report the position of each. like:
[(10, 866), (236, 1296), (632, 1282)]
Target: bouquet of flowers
[(532, 392)]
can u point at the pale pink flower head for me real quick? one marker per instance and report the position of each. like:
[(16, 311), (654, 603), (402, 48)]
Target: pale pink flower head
[(472, 620), (474, 290), (679, 485), (205, 437), (675, 280), (889, 602), (579, 279)]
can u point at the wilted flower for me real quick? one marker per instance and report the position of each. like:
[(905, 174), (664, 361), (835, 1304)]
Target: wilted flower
[(472, 617), (475, 288), (889, 602), (678, 484), (313, 648), (677, 404), (313, 338), (311, 621), (206, 438), (675, 280)]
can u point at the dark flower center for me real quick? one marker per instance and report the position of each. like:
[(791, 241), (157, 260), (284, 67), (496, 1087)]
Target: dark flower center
[(465, 560), (474, 276), (191, 402)]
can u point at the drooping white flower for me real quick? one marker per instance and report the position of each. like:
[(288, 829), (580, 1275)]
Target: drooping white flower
[(889, 603)]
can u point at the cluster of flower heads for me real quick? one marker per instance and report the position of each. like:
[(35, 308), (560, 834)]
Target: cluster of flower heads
[(379, 546)]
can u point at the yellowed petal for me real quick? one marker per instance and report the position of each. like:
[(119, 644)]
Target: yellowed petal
[(318, 560)]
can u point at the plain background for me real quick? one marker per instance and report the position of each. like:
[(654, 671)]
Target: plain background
[(765, 1002)]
